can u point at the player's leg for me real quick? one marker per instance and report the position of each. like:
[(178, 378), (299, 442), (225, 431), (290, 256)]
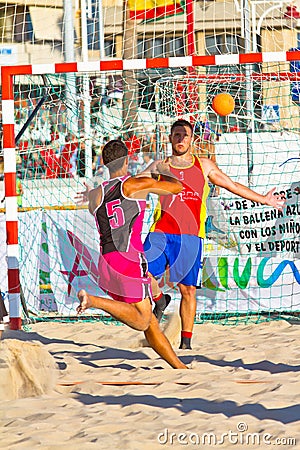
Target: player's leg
[(124, 278), (160, 344), (186, 268), (135, 315), (160, 299), (187, 313), (154, 247)]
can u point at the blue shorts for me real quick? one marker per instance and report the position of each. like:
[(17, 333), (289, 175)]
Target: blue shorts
[(182, 253)]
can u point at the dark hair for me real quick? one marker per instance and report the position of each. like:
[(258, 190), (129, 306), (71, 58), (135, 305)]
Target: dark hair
[(114, 154), (182, 123)]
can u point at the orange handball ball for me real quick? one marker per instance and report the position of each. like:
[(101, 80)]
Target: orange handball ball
[(223, 104)]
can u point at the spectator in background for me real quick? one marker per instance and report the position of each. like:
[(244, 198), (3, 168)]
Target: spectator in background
[(164, 140), (205, 137), (50, 155), (54, 136), (115, 88), (20, 166), (23, 149), (81, 167), (145, 143), (96, 158), (36, 165), (101, 170), (152, 143), (148, 158), (81, 156), (133, 144), (35, 135), (204, 145), (66, 170)]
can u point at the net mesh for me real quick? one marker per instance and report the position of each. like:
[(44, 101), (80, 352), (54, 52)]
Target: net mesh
[(251, 269), (251, 255)]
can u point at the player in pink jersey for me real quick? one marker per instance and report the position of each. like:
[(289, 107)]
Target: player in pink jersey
[(118, 206), (176, 237)]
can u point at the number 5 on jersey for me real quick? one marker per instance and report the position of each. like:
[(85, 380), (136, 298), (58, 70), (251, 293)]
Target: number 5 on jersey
[(115, 213)]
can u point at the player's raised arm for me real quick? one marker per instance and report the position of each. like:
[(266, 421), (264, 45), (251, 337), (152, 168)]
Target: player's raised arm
[(217, 177)]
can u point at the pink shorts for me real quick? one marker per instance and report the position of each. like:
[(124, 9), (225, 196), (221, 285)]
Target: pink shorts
[(124, 276)]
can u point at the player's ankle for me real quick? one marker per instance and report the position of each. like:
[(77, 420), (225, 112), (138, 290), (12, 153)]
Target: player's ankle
[(156, 298), (185, 343), (161, 302)]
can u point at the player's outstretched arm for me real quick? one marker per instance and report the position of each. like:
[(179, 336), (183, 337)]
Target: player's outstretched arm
[(82, 197), (90, 196), (217, 177)]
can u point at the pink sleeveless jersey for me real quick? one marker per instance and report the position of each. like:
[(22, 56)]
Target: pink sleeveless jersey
[(119, 219)]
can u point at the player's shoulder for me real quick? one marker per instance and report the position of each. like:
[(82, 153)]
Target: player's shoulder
[(205, 160), (207, 164)]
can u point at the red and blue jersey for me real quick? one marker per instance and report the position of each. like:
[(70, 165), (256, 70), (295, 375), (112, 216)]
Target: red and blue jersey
[(184, 213)]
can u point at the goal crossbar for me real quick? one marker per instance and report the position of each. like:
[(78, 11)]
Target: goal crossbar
[(9, 140)]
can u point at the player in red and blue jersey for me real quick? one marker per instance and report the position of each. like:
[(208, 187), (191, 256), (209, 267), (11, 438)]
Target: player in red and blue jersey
[(176, 237)]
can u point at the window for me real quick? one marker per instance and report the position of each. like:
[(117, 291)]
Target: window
[(23, 29), (158, 47), (110, 48), (94, 35), (142, 46), (223, 44), (176, 46)]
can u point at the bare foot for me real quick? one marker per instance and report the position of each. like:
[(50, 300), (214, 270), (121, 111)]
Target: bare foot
[(85, 301)]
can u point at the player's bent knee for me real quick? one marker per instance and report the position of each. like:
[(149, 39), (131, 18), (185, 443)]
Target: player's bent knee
[(188, 291), (145, 309), (143, 324)]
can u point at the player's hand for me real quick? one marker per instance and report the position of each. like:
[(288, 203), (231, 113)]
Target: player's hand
[(275, 200), (83, 197), (151, 171)]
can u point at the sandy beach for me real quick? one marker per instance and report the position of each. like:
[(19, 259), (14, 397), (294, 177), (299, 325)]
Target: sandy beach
[(242, 390)]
